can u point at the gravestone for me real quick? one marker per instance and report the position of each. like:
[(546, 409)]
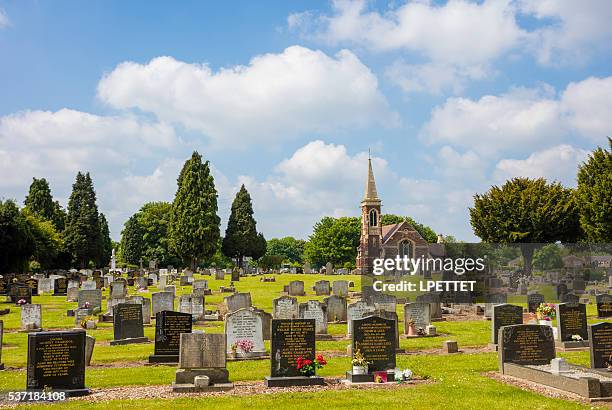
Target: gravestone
[(146, 311), (142, 283), (202, 364), (72, 295), (434, 300), (128, 324), (505, 315), (56, 361), (307, 269), (3, 286), (90, 343), (571, 320), (237, 301), (60, 288), (382, 301), (569, 298), (32, 283), (525, 345), (313, 309), (235, 275), (578, 285), (340, 288), (285, 307), (93, 298), (168, 328), (161, 301), (561, 290), (533, 302), (245, 326), (493, 299), (21, 292), (604, 305), (600, 335), (375, 338), (31, 317), (322, 288), (336, 308), (329, 268), (296, 288), (419, 313), (194, 305), (45, 285), (291, 339), (200, 287), (357, 310)]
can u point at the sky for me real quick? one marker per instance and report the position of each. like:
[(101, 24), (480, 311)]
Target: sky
[(287, 98)]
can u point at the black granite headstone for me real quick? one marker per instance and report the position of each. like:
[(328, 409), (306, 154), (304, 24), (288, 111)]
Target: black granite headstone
[(505, 315), (56, 360), (600, 335), (61, 287), (561, 290), (526, 344), (168, 328), (571, 320), (533, 302), (291, 338), (127, 321), (376, 340), (569, 298), (32, 284), (604, 305), (21, 291)]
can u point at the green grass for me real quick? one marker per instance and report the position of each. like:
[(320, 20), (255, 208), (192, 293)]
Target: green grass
[(457, 380)]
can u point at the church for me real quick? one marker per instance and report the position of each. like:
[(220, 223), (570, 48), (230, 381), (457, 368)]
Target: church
[(386, 241)]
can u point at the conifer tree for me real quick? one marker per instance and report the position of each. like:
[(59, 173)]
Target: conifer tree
[(40, 202), (194, 223), (131, 241), (241, 234), (106, 244)]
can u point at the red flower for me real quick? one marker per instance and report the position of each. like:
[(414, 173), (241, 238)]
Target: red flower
[(321, 360), (307, 362)]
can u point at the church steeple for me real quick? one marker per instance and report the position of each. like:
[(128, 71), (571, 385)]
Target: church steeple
[(371, 225), (370, 196)]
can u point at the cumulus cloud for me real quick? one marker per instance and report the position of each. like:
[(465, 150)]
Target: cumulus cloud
[(4, 20), (523, 118), (558, 163), (276, 96)]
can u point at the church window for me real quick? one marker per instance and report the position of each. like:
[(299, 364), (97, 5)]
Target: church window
[(373, 218)]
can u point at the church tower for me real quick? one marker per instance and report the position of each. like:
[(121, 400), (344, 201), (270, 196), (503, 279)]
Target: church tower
[(370, 243)]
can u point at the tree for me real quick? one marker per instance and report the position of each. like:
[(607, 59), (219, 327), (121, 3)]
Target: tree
[(548, 257), (526, 211), (154, 220), (425, 231), (40, 203), (16, 239), (194, 224), (241, 234), (594, 195), (82, 234), (333, 240), (131, 241), (106, 244), (46, 240), (287, 248), (260, 248)]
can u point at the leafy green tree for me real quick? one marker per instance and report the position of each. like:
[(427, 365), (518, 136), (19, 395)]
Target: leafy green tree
[(106, 244), (154, 220), (333, 240), (131, 241), (548, 257), (526, 211), (594, 195), (261, 245), (40, 202), (16, 240), (425, 231), (82, 234), (287, 248), (46, 239), (194, 224), (241, 234)]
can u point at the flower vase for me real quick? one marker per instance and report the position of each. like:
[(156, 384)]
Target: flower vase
[(411, 330)]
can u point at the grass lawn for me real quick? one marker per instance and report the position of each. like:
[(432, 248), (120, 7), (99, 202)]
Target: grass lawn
[(456, 380)]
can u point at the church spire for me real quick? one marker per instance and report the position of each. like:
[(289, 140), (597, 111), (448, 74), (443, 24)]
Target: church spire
[(370, 188)]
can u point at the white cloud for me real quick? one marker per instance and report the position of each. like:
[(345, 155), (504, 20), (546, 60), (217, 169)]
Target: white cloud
[(558, 163), (276, 96), (523, 118), (4, 20)]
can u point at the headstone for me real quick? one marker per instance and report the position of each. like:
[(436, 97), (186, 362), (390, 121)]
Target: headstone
[(340, 288), (322, 288), (285, 307), (329, 268), (21, 292), (31, 317), (56, 361), (569, 298), (526, 345), (434, 300), (450, 346), (60, 287), (72, 294), (146, 311), (313, 309), (219, 274), (578, 285), (419, 313), (533, 302), (604, 305), (202, 351), (194, 305), (296, 288), (307, 269), (161, 301), (235, 275), (375, 338), (200, 287), (505, 315), (93, 298), (237, 301), (561, 290), (382, 301), (600, 335), (128, 324), (32, 283), (571, 320), (357, 310), (244, 327), (336, 308), (168, 328)]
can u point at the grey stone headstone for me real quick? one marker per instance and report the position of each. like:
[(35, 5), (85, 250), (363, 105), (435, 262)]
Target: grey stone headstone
[(419, 313), (340, 288), (202, 350), (296, 288), (313, 309), (357, 310), (245, 324), (322, 288), (336, 308), (237, 301), (88, 285), (200, 287), (504, 315), (285, 307), (31, 316), (93, 297), (90, 343), (161, 301)]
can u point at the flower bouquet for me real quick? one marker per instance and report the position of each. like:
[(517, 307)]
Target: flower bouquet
[(309, 367)]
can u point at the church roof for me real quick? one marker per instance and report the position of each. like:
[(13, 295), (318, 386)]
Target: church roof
[(370, 188), (389, 230)]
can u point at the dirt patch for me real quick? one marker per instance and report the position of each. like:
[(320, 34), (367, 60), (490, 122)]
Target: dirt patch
[(543, 390)]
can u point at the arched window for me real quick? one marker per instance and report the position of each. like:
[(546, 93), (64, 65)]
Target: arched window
[(405, 249), (373, 218)]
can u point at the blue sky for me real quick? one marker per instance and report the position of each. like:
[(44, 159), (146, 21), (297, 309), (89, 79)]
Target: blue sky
[(287, 98)]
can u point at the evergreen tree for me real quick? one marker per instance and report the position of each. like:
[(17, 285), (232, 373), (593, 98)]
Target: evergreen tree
[(154, 219), (16, 239), (40, 203), (46, 239), (260, 248), (131, 241), (241, 234), (82, 234), (594, 195), (194, 224), (106, 244)]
